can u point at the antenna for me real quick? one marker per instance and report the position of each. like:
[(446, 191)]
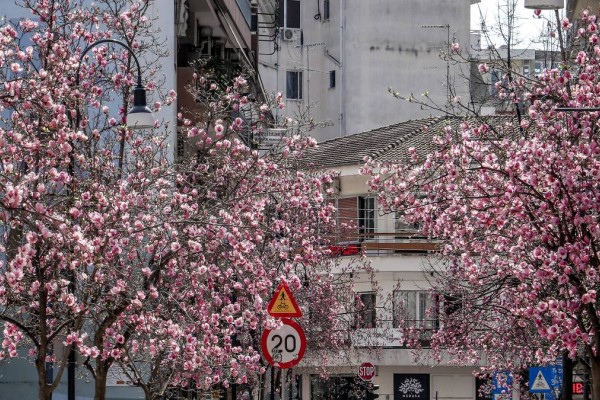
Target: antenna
[(447, 27)]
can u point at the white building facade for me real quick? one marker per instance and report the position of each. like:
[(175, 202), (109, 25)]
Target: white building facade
[(340, 58), (402, 260)]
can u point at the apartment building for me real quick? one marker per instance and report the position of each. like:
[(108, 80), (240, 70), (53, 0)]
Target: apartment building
[(339, 58), (401, 259), (575, 7), (523, 63)]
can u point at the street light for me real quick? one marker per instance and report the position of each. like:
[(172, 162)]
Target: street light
[(551, 5), (544, 4), (138, 117)]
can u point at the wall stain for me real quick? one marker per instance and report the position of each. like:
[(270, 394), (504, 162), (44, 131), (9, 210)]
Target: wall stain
[(415, 51)]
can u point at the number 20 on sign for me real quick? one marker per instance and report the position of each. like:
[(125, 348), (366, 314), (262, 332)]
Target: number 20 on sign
[(284, 347)]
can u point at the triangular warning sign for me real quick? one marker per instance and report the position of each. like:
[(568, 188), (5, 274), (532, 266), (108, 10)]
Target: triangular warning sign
[(540, 383), (283, 303)]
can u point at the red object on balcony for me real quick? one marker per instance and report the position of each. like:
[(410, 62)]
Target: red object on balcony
[(351, 249)]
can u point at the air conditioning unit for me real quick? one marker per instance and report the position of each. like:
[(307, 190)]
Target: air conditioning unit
[(291, 35)]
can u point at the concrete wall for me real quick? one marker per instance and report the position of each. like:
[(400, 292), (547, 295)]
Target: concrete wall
[(444, 382)]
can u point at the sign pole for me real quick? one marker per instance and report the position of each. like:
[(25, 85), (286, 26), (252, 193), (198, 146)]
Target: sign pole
[(567, 378), (283, 383), (272, 382), (283, 347)]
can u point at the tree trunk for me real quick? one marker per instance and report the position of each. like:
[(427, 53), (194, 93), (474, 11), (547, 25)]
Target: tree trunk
[(595, 374), (100, 381), (44, 390), (147, 393)]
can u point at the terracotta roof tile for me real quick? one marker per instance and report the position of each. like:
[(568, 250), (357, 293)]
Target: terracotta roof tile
[(390, 143)]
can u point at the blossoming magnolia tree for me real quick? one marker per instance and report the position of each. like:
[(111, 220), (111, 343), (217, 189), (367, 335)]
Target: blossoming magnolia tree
[(70, 201), (241, 222), (515, 208), (110, 250)]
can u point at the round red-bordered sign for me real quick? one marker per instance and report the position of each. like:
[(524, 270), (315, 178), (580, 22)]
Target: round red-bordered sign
[(366, 371), (284, 347)]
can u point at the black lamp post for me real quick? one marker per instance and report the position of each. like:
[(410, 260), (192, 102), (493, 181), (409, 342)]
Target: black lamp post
[(138, 117)]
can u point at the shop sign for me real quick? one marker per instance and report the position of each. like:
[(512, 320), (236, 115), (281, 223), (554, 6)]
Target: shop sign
[(411, 386)]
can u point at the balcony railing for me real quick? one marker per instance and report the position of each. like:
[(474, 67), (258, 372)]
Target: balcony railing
[(391, 334), (384, 243)]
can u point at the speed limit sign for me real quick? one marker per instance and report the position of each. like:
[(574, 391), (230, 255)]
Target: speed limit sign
[(284, 347)]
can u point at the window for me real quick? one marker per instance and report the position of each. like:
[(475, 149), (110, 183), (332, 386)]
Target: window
[(483, 388), (404, 228), (452, 304), (288, 14), (366, 217), (326, 10), (180, 145), (294, 85), (496, 79), (414, 308), (331, 79), (337, 387), (366, 313)]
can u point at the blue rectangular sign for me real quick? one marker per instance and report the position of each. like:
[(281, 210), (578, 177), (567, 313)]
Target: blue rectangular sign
[(502, 382), (547, 380)]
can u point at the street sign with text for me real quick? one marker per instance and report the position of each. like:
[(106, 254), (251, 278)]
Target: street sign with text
[(366, 371), (284, 347)]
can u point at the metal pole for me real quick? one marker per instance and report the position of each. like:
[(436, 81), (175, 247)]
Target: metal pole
[(72, 361), (272, 383), (71, 374), (283, 384), (567, 393)]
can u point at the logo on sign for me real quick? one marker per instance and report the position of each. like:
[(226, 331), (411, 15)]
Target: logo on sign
[(366, 371), (540, 382), (411, 387)]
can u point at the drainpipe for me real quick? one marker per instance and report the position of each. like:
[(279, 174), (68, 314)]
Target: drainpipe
[(342, 83)]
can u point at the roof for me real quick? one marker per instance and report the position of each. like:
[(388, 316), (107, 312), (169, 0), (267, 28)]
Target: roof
[(390, 143)]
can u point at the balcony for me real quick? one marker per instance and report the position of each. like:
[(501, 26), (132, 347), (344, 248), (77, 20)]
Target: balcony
[(365, 229), (388, 334), (384, 244)]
